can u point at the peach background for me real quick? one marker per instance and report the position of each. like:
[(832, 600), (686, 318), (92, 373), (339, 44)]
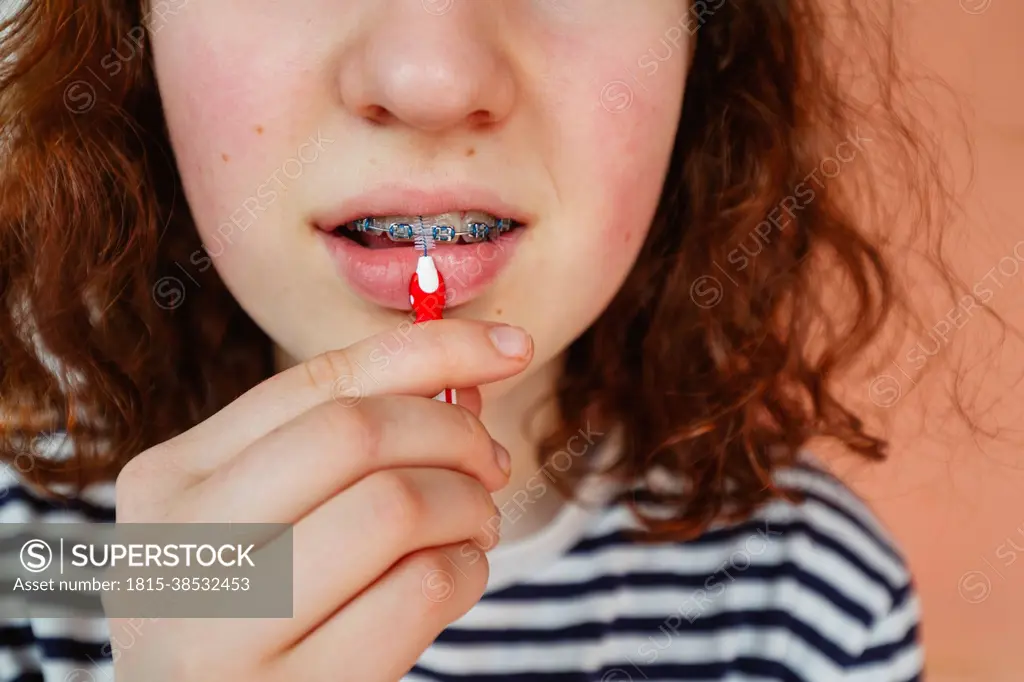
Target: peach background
[(953, 499)]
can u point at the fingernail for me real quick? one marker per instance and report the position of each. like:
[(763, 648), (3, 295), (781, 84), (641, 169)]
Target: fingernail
[(511, 342), (502, 457)]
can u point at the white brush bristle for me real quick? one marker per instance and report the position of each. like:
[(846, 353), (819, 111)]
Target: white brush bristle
[(424, 238)]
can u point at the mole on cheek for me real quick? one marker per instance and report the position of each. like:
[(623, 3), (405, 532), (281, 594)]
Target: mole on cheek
[(259, 130), (471, 151), (498, 312), (225, 157)]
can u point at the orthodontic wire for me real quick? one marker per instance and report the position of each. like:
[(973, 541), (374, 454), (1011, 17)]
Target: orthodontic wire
[(440, 233)]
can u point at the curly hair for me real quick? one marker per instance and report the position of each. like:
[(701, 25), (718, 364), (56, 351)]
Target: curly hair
[(717, 358)]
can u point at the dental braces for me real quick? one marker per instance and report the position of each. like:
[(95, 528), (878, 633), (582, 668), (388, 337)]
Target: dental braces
[(404, 232)]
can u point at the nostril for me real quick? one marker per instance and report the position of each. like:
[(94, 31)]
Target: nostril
[(481, 117), (377, 114)]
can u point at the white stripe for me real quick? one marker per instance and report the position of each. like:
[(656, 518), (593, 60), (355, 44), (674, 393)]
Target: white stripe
[(11, 604), (692, 559), (90, 630), (626, 672), (670, 605), (704, 558), (774, 644), (903, 666), (847, 534), (895, 626), (834, 570), (14, 661), (843, 497), (75, 671), (102, 495), (729, 557), (21, 512), (811, 512), (615, 519)]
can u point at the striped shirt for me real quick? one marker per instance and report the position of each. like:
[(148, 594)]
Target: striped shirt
[(804, 592)]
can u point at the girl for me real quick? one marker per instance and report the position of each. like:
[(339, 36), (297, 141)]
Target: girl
[(202, 315)]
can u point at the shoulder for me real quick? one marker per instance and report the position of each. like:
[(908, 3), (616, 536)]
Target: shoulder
[(816, 588)]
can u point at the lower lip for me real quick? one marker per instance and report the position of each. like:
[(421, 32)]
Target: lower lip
[(382, 276)]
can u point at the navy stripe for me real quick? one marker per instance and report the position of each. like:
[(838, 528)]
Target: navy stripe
[(16, 635), (39, 505), (886, 652), (610, 583), (630, 671), (723, 535), (62, 648), (846, 502), (66, 649), (839, 499), (589, 632), (682, 589), (655, 628), (902, 596), (880, 542)]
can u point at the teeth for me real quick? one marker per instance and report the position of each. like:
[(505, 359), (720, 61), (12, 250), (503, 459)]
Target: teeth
[(470, 226), (442, 220), (479, 226)]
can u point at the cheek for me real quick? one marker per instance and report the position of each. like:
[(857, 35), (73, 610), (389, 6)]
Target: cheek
[(227, 108), (618, 177), (615, 132)]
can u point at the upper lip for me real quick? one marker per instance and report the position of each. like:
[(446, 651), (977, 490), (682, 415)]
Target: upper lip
[(405, 200)]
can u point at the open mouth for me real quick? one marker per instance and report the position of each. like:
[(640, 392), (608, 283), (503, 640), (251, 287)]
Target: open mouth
[(476, 235), (453, 228)]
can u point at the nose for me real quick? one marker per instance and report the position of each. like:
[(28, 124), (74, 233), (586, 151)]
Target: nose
[(429, 64)]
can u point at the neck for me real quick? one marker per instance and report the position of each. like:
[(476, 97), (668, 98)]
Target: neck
[(516, 419)]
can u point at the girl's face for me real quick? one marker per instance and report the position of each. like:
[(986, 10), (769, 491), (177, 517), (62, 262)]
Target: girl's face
[(290, 118)]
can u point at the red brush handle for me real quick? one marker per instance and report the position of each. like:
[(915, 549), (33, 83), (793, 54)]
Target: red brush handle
[(427, 305), (430, 306)]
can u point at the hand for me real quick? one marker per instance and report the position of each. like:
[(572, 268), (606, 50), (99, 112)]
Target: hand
[(382, 493)]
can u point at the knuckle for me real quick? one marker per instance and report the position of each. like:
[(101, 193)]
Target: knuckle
[(474, 432), (449, 581), (429, 562), (477, 574), (324, 371), (488, 522), (398, 503), (435, 578), (480, 501), (355, 426)]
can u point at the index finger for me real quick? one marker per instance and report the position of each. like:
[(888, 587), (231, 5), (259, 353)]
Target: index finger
[(437, 355)]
